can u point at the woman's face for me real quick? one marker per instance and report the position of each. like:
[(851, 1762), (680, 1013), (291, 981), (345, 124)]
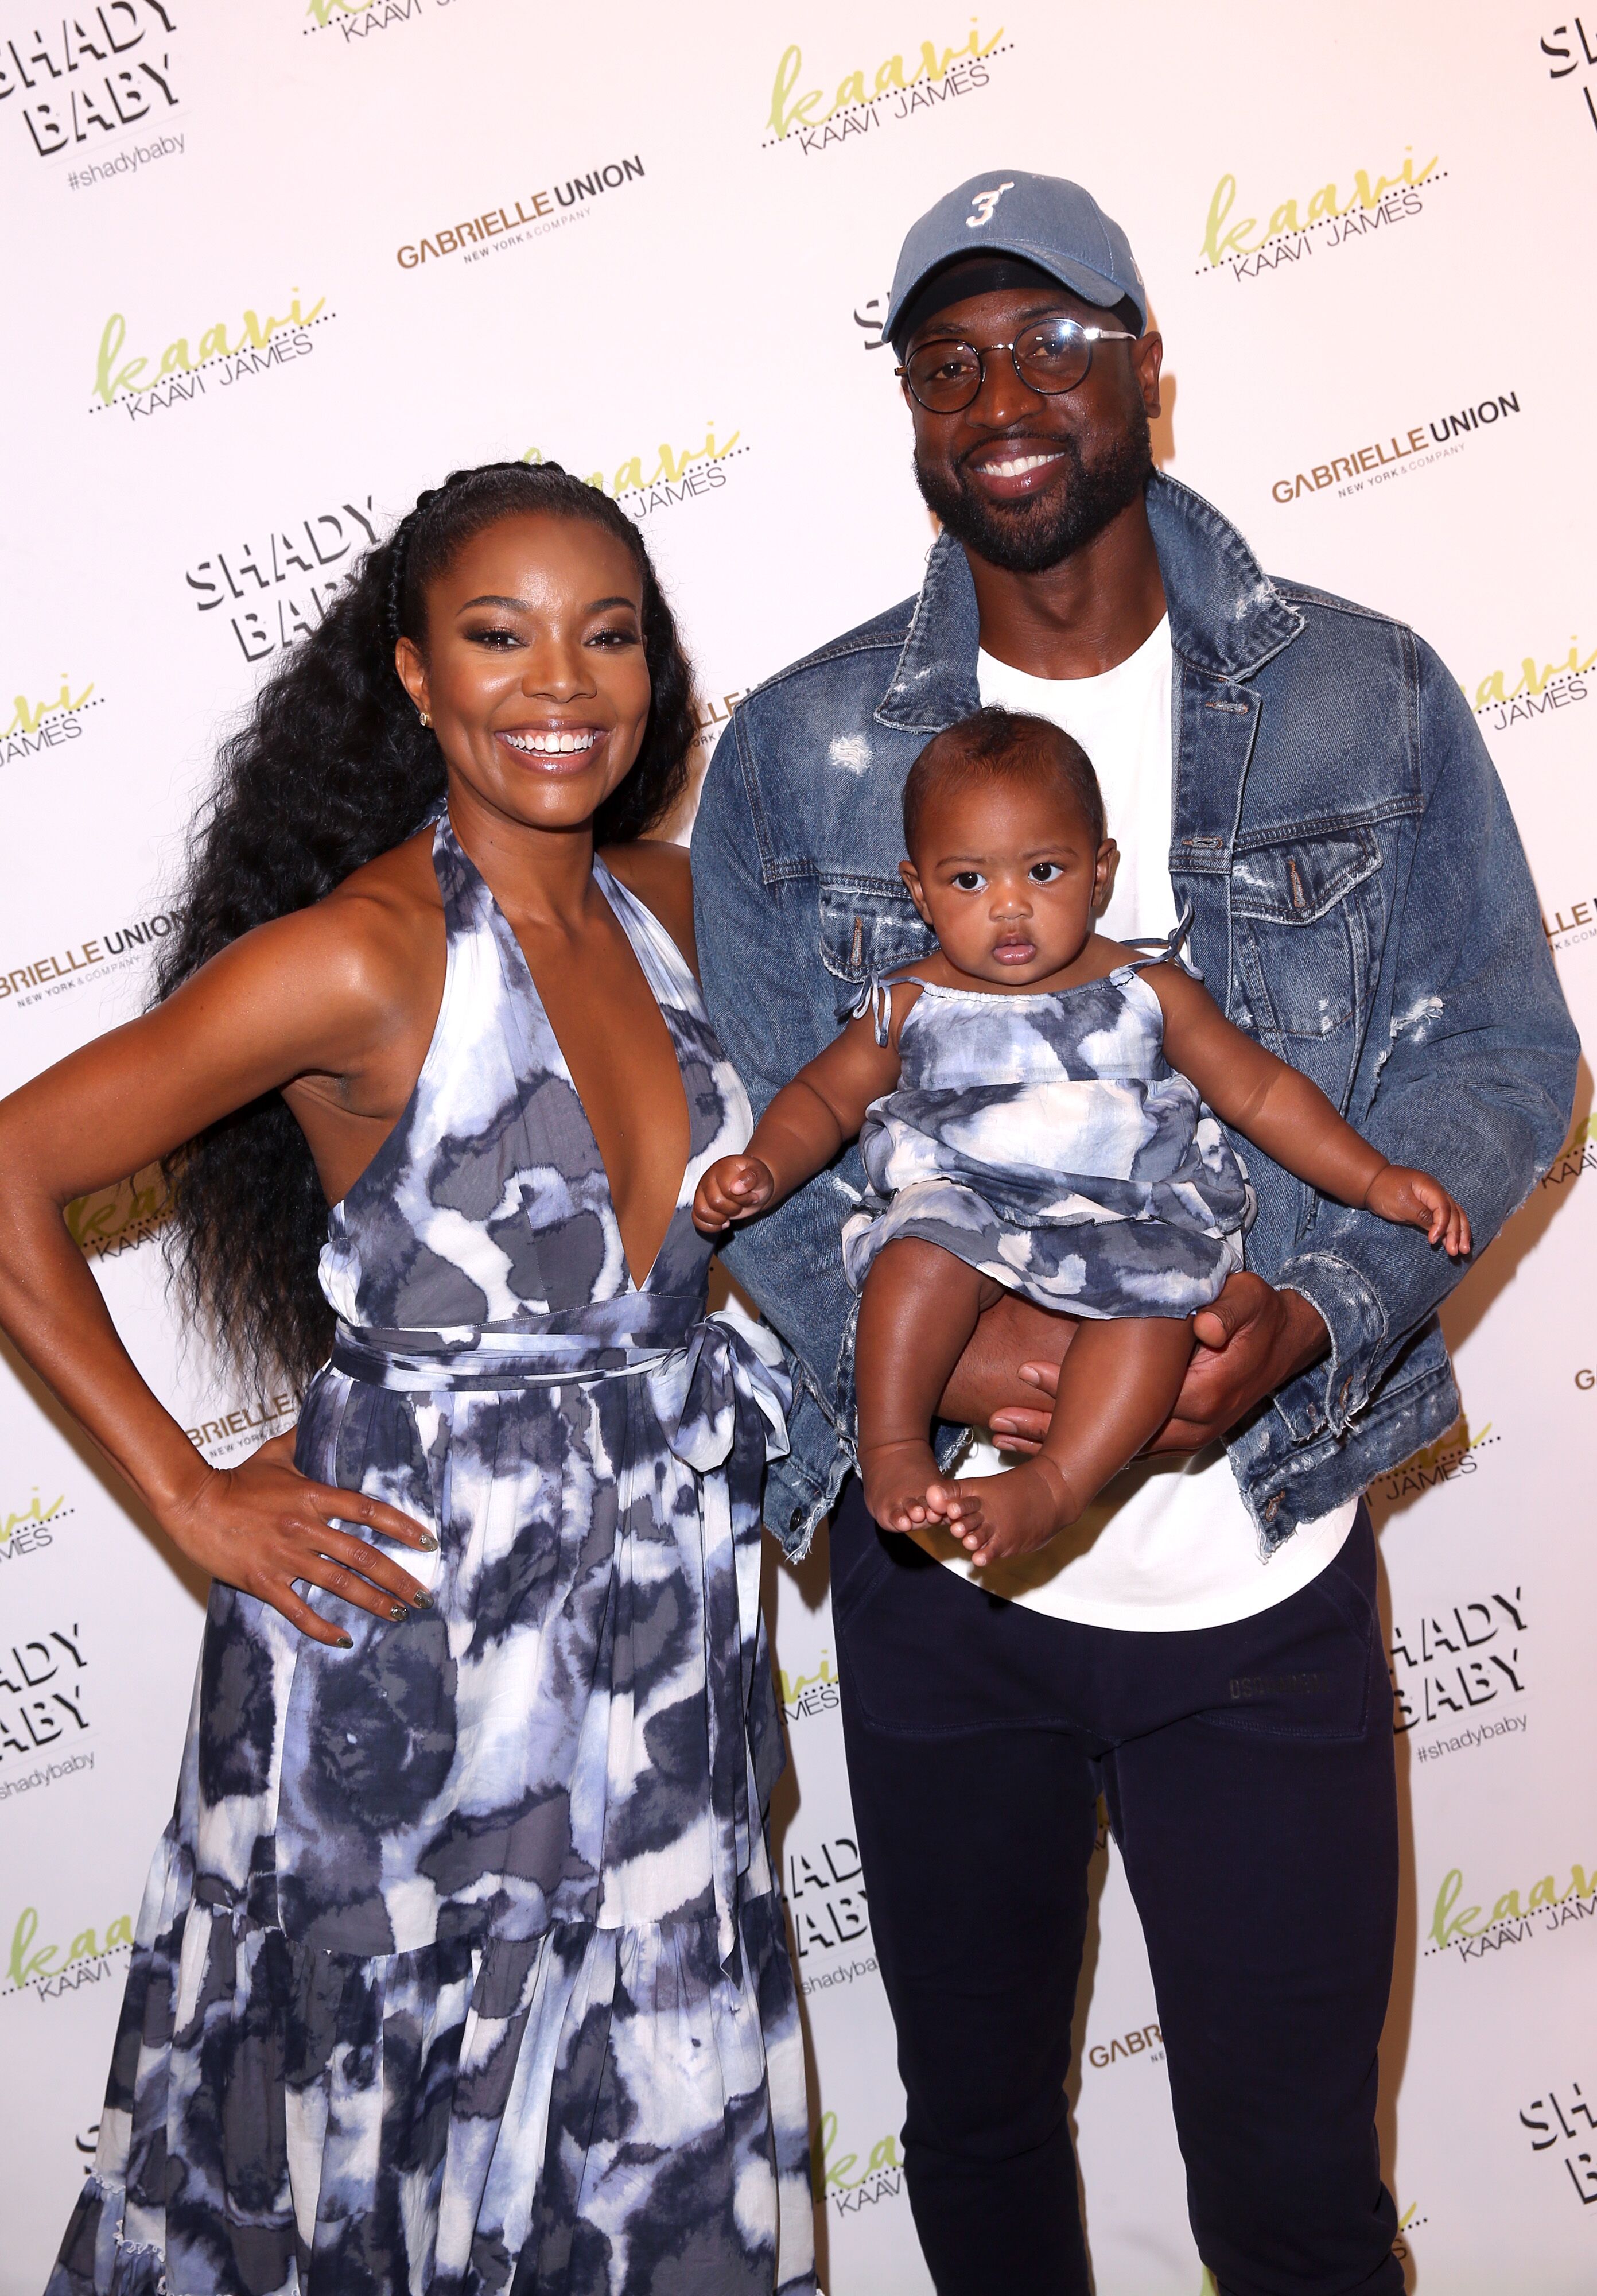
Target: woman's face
[(534, 674)]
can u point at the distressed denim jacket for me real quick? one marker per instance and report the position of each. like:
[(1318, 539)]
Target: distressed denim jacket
[(1361, 905)]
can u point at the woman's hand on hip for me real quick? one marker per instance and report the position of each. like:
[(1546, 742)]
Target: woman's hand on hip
[(261, 1526)]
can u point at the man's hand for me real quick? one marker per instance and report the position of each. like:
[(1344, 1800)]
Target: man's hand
[(1252, 1341)]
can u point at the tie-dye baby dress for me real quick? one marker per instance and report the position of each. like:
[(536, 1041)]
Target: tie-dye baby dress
[(462, 1965), (1047, 1141)]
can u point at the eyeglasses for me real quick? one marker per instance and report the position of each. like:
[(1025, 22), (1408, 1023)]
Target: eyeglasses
[(1051, 357)]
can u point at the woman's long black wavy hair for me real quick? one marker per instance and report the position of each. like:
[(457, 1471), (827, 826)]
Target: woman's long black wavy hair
[(332, 768)]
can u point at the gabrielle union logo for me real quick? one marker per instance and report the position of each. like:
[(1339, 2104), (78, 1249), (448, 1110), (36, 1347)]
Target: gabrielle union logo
[(536, 214)]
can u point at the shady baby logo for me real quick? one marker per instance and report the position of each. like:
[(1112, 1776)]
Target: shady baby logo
[(86, 79), (872, 96)]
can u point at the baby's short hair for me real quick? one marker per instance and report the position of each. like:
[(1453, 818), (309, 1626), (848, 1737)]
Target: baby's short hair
[(994, 744)]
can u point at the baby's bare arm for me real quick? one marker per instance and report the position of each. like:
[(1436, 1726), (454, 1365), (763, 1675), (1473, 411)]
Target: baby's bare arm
[(823, 1107), (1290, 1119)]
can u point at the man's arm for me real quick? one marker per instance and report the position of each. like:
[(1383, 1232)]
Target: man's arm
[(1474, 1082)]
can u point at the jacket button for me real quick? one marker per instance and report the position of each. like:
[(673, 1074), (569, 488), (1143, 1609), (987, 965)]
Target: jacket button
[(1347, 1390), (796, 1519), (1270, 1511)]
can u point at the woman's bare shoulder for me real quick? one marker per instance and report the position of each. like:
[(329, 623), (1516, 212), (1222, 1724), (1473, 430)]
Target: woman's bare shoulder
[(662, 878)]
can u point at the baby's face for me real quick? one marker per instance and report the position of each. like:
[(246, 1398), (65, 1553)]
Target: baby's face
[(1008, 877)]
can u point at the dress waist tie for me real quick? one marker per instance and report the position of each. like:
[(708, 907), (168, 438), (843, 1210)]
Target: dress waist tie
[(723, 1411)]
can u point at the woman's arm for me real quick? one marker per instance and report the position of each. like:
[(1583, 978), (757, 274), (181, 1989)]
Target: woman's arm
[(308, 998)]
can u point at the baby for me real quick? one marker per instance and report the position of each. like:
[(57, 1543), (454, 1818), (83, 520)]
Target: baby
[(1033, 1104)]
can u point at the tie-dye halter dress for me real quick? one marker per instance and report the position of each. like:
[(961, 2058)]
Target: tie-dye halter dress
[(462, 1964)]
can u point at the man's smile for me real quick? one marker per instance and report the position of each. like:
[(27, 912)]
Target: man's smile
[(1006, 469)]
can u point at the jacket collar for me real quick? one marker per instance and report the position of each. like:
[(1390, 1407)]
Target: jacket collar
[(1226, 615)]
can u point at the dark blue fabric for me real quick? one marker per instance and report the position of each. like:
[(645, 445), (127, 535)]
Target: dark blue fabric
[(1248, 1775), (1361, 904)]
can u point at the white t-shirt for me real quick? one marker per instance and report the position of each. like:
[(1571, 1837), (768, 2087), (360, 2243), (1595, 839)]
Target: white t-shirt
[(1169, 1545)]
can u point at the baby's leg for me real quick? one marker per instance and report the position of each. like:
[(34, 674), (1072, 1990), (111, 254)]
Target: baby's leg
[(916, 1314), (1116, 1387)]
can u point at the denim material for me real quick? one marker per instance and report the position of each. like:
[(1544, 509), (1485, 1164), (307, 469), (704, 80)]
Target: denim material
[(1248, 1775), (1361, 904)]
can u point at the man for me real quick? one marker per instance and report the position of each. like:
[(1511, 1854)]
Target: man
[(1304, 777)]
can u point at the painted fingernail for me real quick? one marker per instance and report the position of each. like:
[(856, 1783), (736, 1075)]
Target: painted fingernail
[(429, 1541), (346, 1642), (422, 1599), (395, 1610)]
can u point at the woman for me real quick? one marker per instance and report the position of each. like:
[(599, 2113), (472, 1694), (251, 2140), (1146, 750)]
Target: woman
[(462, 1966)]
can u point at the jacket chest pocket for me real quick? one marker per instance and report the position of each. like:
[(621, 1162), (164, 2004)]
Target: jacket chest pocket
[(869, 928), (1307, 916)]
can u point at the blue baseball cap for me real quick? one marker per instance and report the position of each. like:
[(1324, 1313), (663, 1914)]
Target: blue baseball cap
[(1041, 220)]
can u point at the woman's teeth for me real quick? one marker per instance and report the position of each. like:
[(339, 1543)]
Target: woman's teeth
[(553, 745)]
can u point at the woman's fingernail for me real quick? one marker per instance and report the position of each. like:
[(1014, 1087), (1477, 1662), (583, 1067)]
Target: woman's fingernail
[(395, 1610), (346, 1642), (422, 1599), (428, 1541)]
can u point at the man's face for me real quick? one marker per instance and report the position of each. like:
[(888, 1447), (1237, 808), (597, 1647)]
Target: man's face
[(1021, 478)]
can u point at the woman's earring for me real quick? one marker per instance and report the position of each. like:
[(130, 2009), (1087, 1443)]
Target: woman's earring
[(426, 720)]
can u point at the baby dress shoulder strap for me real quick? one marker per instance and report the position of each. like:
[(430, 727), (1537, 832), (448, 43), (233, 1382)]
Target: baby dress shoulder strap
[(876, 998), (1167, 949)]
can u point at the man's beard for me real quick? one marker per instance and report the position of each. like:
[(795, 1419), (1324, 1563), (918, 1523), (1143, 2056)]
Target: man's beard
[(1029, 536)]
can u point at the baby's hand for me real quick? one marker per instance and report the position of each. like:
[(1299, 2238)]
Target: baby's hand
[(1414, 1199), (734, 1188)]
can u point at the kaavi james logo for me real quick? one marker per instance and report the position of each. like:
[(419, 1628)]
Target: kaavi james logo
[(87, 1959), (104, 954), (833, 2176), (1517, 1917), (1366, 467), (1575, 2125), (806, 1696), (182, 376), (1579, 1154), (37, 727), (32, 1529), (870, 96), (1248, 250), (1457, 1453), (679, 474), (1463, 1659), (277, 581), (88, 77), (1539, 690), (496, 228), (357, 19), (113, 1220)]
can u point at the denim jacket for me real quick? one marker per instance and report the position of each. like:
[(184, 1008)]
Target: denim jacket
[(1361, 905)]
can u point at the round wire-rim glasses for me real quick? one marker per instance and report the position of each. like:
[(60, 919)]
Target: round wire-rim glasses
[(1052, 356)]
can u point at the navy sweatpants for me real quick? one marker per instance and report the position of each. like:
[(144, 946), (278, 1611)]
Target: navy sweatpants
[(1249, 1780)]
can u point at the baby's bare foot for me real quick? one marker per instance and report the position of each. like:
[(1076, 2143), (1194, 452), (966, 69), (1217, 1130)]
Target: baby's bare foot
[(1019, 1509), (895, 1478)]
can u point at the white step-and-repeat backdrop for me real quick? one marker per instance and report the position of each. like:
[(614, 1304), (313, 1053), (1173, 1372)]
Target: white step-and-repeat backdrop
[(268, 271)]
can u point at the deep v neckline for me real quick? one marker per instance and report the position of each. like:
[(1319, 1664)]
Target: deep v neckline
[(647, 959)]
